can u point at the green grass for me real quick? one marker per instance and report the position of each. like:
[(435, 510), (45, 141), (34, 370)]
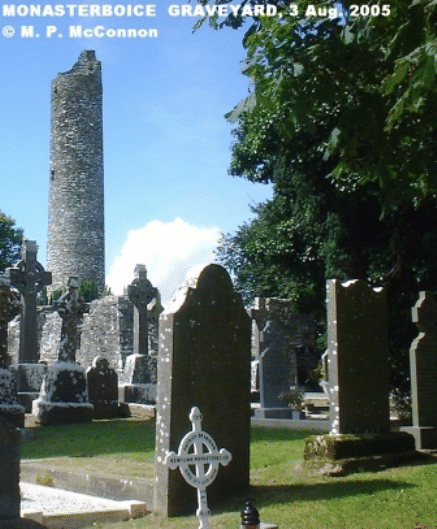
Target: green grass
[(400, 498)]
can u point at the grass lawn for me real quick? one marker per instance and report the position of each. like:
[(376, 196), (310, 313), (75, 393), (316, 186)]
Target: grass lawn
[(401, 498)]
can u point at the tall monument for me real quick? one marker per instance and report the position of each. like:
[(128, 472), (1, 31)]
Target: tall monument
[(76, 243)]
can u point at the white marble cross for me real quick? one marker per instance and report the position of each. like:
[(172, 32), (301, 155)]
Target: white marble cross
[(191, 455)]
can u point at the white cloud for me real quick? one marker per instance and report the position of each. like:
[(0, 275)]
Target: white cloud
[(169, 250)]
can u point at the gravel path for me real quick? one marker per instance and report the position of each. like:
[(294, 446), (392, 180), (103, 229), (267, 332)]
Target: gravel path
[(48, 500)]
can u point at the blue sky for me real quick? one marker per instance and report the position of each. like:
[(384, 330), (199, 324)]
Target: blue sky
[(166, 142)]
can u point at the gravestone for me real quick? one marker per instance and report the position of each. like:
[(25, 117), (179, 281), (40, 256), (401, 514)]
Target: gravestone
[(204, 361), (274, 374), (64, 395), (29, 277), (10, 408), (10, 500), (357, 386), (102, 382), (9, 471), (423, 365), (299, 337), (140, 371), (357, 358)]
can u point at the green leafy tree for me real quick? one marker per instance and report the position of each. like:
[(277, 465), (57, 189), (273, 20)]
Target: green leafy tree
[(10, 242), (340, 118)]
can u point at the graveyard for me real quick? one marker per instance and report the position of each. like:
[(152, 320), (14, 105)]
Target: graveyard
[(212, 412), (189, 421), (282, 492)]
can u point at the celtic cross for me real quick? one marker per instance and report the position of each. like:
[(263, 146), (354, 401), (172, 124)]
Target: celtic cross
[(198, 467)]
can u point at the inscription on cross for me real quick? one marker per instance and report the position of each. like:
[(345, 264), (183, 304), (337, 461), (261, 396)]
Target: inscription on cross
[(141, 293), (29, 277), (198, 467)]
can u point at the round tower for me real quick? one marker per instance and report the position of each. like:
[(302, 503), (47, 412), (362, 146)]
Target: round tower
[(76, 243)]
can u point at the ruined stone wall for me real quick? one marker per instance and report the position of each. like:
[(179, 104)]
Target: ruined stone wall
[(76, 216), (107, 330)]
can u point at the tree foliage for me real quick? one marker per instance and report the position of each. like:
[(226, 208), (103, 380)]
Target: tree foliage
[(340, 118), (10, 242)]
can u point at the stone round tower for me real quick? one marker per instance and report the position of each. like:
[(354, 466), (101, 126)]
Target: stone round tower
[(76, 243)]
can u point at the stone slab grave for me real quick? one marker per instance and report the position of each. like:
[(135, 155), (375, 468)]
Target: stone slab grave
[(358, 384), (140, 370), (64, 393), (423, 366), (204, 361)]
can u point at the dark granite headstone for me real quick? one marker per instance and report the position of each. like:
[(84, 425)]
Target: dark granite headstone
[(358, 358), (9, 471), (29, 277), (10, 479), (423, 365), (204, 361), (102, 383), (274, 374)]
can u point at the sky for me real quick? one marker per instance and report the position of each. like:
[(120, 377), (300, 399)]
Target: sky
[(168, 194)]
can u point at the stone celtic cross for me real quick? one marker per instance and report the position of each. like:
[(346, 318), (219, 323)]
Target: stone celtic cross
[(141, 292), (29, 277), (198, 467), (71, 309)]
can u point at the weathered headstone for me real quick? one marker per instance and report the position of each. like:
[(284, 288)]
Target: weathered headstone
[(29, 277), (64, 394), (357, 358), (9, 471), (10, 407), (423, 365), (140, 371), (102, 383), (10, 500), (298, 337), (274, 374), (204, 360), (357, 386)]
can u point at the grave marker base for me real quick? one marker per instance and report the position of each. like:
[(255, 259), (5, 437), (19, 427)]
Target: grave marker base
[(342, 454), (21, 523), (425, 437), (64, 397)]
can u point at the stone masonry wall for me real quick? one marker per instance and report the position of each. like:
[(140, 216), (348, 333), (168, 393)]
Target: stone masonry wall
[(107, 330), (76, 205)]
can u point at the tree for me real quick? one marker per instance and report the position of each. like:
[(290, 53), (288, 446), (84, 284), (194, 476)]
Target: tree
[(10, 242), (340, 118)]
